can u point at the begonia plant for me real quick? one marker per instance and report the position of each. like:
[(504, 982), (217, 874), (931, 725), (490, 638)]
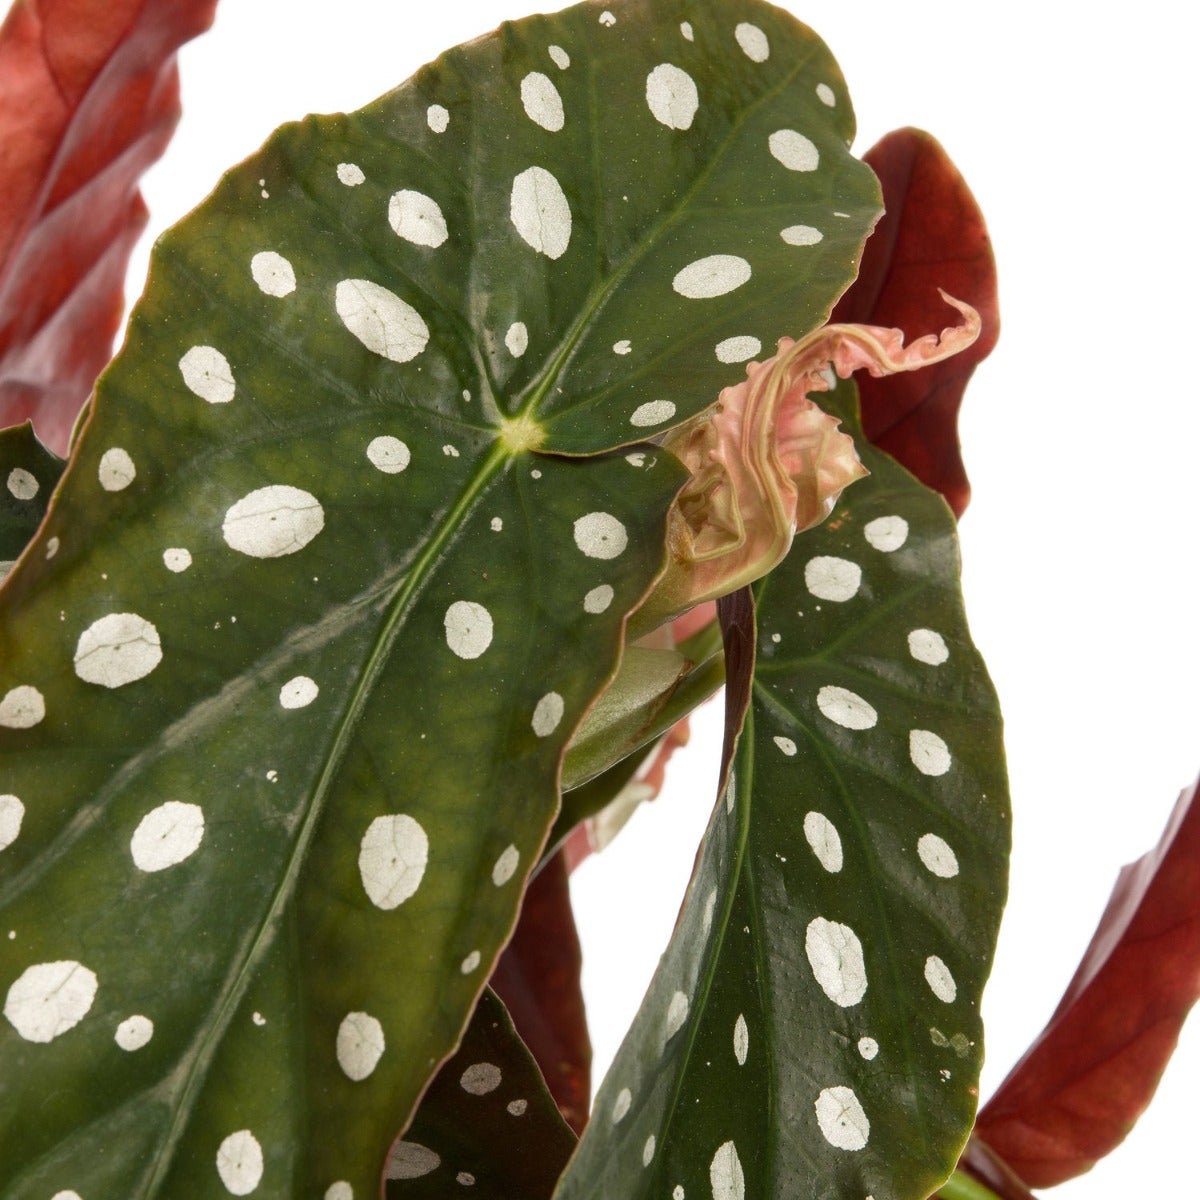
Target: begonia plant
[(458, 448)]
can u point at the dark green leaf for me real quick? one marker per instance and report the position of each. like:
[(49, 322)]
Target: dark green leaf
[(30, 473), (814, 1029), (322, 621), (487, 1127)]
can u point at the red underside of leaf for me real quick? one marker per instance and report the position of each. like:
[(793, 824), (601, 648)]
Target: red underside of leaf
[(89, 96), (537, 977), (1083, 1083), (932, 235)]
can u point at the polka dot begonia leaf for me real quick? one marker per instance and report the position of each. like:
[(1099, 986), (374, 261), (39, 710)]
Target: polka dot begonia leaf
[(487, 1127), (343, 556), (841, 921)]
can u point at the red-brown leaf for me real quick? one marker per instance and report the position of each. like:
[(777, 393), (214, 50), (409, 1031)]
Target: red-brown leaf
[(1085, 1080), (537, 977), (89, 96), (931, 236)]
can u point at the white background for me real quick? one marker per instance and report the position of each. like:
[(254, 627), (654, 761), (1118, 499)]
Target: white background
[(1076, 134)]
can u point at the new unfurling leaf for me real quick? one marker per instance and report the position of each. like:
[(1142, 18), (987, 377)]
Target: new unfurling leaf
[(766, 462)]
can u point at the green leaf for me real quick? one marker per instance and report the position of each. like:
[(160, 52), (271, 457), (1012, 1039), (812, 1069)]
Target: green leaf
[(814, 1028), (651, 692), (30, 473), (292, 697), (487, 1127)]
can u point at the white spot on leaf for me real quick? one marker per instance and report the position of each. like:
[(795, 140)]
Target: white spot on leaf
[(836, 957), (388, 454), (134, 1032), (600, 535), (167, 835), (825, 94), (480, 1078), (298, 692), (794, 150), (677, 1012), (339, 1191), (738, 349), (846, 708), (801, 235), (725, 1174), (273, 521), (469, 628), (116, 471), (671, 96), (929, 754), (715, 275), (598, 599), (653, 412), (830, 578), (506, 866), (22, 707), (49, 998), (117, 649), (824, 840), (470, 963), (517, 339), (607, 19), (351, 174), (517, 1108), (753, 42), (938, 857), (540, 213), (273, 273), (886, 533), (928, 647), (941, 982), (543, 105), (547, 714), (624, 346), (621, 1105), (417, 218), (385, 324), (741, 1040), (12, 813), (841, 1118), (437, 118), (411, 1160), (868, 1047), (392, 859), (22, 484), (360, 1045), (240, 1163), (786, 746), (177, 559), (207, 373), (648, 1150)]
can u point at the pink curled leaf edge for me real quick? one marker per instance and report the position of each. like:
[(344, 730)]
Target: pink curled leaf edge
[(766, 462)]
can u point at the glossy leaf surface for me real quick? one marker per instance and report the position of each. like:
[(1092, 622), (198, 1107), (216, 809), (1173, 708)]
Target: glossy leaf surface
[(89, 96), (292, 696), (931, 236), (486, 1127), (1082, 1085), (29, 473), (814, 1027)]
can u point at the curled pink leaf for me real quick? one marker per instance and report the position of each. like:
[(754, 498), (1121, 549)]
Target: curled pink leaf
[(766, 462)]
